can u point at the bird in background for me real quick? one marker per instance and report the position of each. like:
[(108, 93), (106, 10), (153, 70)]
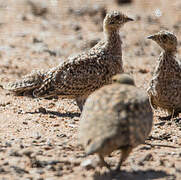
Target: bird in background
[(164, 89)]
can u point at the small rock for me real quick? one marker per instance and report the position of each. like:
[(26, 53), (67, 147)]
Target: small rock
[(21, 146), (27, 152), (50, 168), (59, 174), (38, 8), (42, 110), (15, 153), (76, 163), (143, 71), (53, 162), (76, 27), (165, 136), (160, 123), (88, 164), (51, 52), (72, 125), (35, 40), (8, 144), (176, 27), (169, 123), (40, 171), (4, 103), (120, 2), (147, 157), (19, 170), (38, 164), (51, 105), (2, 171), (20, 111), (52, 116), (25, 123), (6, 164), (152, 20), (145, 148), (61, 135)]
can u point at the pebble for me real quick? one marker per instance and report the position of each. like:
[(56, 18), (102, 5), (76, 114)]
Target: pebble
[(160, 123), (27, 152), (38, 8), (42, 110), (5, 103), (40, 171), (120, 2), (88, 164), (19, 170), (147, 157)]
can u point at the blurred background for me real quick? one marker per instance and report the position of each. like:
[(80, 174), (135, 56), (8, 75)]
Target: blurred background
[(39, 34)]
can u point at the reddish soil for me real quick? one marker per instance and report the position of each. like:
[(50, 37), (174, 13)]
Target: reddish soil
[(38, 137)]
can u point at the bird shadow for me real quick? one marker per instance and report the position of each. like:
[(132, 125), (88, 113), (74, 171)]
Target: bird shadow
[(135, 175), (56, 113), (67, 114)]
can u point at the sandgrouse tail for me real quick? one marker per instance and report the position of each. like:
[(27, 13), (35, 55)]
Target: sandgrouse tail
[(116, 116), (26, 85)]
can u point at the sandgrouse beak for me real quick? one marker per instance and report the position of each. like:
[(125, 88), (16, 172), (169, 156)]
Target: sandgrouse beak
[(127, 19), (151, 37)]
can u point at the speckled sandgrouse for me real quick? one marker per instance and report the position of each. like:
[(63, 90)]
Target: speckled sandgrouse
[(80, 75), (164, 90), (116, 116)]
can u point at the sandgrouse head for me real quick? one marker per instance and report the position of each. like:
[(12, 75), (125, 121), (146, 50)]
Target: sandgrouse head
[(123, 79), (115, 19), (166, 40)]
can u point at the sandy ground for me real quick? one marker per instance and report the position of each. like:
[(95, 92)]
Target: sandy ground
[(38, 138)]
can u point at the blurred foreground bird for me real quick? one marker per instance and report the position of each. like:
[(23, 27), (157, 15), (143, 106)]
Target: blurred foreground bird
[(115, 117), (164, 90)]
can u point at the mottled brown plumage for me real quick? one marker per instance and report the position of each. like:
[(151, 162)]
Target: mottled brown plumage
[(27, 84), (116, 116), (80, 75), (164, 90)]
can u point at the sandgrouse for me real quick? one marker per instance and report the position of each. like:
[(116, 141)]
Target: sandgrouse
[(116, 116), (79, 76), (164, 90)]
